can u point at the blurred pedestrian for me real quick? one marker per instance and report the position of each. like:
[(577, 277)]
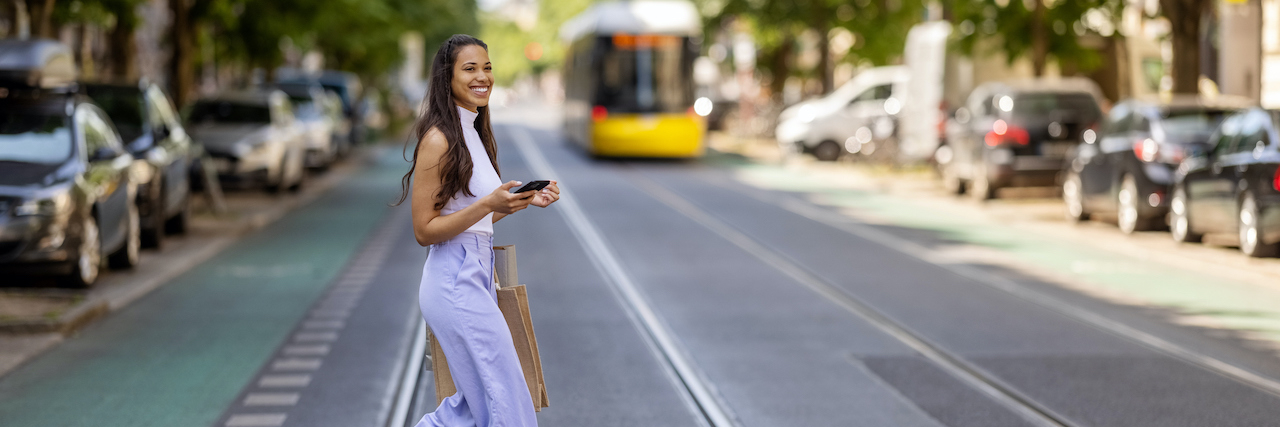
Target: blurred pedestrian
[(456, 197)]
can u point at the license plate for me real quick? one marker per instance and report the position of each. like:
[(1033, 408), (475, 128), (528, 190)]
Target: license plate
[(1057, 148)]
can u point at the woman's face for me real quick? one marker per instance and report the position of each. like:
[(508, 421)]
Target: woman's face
[(472, 77)]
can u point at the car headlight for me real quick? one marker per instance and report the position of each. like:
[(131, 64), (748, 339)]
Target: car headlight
[(44, 206)]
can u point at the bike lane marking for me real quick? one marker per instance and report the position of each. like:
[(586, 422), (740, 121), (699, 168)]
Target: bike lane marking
[(181, 355)]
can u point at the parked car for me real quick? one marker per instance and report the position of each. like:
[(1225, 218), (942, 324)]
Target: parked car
[(1127, 167), (312, 108), (344, 84), (67, 189), (859, 113), (1017, 134), (252, 137), (154, 135), (1233, 188)]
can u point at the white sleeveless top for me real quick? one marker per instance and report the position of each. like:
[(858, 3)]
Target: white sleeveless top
[(484, 179)]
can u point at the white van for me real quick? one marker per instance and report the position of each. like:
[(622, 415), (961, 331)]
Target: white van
[(861, 112)]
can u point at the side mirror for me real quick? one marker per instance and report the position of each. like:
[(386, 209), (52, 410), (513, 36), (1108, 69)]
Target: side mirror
[(103, 154)]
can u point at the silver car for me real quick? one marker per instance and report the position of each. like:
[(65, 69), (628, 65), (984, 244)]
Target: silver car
[(253, 137)]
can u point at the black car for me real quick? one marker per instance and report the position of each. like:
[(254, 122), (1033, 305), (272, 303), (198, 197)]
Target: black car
[(1233, 188), (67, 195), (1017, 134), (152, 132), (1127, 167)]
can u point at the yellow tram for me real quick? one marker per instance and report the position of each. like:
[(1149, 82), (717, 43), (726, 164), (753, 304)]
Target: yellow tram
[(628, 79)]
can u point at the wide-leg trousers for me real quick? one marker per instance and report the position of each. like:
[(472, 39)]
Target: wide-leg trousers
[(459, 302)]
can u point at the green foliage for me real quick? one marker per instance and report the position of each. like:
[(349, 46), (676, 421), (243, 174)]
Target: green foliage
[(879, 28), (1011, 24), (507, 41)]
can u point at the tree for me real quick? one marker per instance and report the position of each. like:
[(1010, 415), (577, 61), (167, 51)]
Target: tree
[(1184, 23), (1039, 29), (879, 28)]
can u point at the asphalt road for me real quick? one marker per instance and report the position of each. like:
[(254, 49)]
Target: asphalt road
[(663, 294)]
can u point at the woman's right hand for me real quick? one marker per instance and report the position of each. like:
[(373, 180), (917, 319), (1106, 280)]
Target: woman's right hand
[(503, 201)]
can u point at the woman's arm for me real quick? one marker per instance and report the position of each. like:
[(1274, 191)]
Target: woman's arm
[(429, 227)]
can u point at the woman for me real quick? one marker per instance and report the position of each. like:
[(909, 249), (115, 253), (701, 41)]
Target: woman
[(456, 198)]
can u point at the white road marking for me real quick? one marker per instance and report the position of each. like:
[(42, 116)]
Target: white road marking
[(323, 324), (912, 249), (296, 364), (284, 381), (965, 372), (271, 399), (316, 337), (256, 420), (306, 350)]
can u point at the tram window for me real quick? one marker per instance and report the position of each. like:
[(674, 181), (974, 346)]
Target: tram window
[(645, 74)]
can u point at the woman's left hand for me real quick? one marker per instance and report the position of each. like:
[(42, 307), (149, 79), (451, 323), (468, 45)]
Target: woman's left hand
[(546, 196)]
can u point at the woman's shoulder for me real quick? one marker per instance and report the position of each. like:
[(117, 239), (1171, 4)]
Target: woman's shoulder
[(434, 141)]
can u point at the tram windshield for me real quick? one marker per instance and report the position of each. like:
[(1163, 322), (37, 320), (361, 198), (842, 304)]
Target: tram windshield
[(645, 73)]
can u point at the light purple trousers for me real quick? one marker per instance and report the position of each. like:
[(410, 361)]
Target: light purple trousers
[(459, 302)]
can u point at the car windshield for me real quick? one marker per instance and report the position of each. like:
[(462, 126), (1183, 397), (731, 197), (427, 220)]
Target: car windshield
[(1185, 125), (31, 137), (123, 105), (229, 112), (1042, 105)]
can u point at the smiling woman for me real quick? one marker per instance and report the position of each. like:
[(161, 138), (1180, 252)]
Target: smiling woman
[(457, 195)]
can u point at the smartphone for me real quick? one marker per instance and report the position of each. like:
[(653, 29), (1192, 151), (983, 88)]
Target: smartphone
[(532, 186)]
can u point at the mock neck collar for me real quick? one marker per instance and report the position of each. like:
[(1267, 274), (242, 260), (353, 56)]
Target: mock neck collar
[(467, 116)]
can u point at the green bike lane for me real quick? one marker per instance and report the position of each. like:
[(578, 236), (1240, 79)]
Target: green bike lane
[(1188, 295), (181, 355)]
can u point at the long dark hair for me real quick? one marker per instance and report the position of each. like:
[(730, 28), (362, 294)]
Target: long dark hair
[(441, 113)]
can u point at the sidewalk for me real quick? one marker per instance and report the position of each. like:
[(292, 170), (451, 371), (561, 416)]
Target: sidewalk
[(34, 319)]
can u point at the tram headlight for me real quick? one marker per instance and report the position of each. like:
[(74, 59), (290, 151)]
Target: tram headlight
[(702, 106)]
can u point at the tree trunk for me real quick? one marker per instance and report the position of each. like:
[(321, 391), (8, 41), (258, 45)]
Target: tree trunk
[(1039, 38), (825, 69), (123, 51), (41, 12), (1184, 20), (183, 62), (780, 69)]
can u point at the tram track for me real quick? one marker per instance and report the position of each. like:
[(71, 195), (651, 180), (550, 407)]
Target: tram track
[(968, 373), (700, 394)]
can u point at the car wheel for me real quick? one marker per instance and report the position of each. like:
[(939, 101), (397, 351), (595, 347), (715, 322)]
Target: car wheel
[(981, 188), (1180, 217), (129, 253), (153, 233), (1127, 215), (177, 224), (827, 151), (88, 261), (1073, 197), (1250, 233)]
